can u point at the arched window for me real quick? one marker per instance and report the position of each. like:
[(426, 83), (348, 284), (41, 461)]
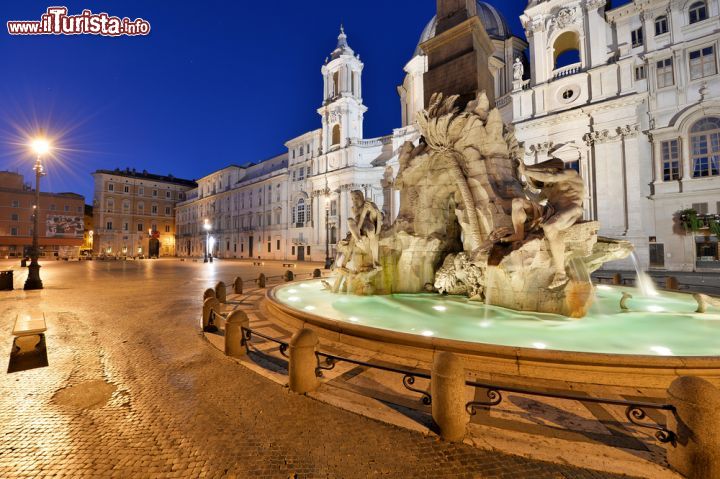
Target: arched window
[(697, 12), (705, 147), (336, 83), (661, 25), (566, 49), (336, 135), (300, 213)]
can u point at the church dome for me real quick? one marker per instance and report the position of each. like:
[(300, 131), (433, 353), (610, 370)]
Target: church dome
[(493, 21)]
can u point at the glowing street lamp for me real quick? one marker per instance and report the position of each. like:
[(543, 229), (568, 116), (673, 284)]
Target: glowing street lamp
[(40, 147), (208, 254)]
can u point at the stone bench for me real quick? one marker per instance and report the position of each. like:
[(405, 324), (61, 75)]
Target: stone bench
[(289, 265), (29, 332), (258, 263)]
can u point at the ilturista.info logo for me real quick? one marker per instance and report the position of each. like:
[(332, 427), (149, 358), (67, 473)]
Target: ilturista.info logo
[(56, 21)]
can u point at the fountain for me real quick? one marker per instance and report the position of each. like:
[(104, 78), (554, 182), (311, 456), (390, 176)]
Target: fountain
[(490, 258)]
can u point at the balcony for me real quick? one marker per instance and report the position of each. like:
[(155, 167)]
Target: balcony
[(567, 70)]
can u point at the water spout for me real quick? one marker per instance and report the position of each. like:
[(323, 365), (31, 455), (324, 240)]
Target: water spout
[(644, 282)]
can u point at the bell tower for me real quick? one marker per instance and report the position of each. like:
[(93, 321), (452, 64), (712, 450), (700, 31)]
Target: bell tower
[(342, 110)]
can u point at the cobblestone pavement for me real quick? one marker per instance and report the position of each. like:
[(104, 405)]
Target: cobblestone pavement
[(132, 390)]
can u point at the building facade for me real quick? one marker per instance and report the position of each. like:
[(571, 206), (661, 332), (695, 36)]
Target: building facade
[(132, 210), (60, 233), (294, 206), (628, 97)]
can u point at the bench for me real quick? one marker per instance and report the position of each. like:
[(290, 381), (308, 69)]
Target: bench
[(289, 265), (26, 328), (258, 263)]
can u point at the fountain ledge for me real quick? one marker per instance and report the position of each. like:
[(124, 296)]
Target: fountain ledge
[(510, 363)]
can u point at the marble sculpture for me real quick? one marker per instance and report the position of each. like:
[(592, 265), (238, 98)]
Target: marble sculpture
[(475, 220)]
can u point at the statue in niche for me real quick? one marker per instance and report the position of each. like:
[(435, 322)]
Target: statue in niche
[(562, 191), (518, 69)]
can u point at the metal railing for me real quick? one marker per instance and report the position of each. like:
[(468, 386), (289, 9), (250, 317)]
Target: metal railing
[(408, 380), (247, 335), (635, 410)]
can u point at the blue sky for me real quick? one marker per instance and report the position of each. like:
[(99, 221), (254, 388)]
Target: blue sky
[(216, 82)]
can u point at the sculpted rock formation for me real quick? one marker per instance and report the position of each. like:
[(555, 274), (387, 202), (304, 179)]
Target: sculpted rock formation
[(468, 223)]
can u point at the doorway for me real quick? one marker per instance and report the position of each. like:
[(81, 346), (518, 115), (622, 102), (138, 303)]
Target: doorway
[(250, 246)]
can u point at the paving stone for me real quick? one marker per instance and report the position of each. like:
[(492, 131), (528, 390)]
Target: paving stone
[(179, 407)]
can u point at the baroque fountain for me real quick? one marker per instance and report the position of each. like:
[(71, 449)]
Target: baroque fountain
[(491, 258)]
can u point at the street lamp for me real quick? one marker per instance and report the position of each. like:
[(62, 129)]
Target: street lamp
[(40, 147), (208, 255), (328, 259)]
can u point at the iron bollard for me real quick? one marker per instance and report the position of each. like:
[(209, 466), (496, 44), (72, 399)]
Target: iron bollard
[(447, 384), (261, 280), (221, 292), (696, 422), (234, 337), (302, 364), (317, 273), (238, 285), (211, 306), (288, 276)]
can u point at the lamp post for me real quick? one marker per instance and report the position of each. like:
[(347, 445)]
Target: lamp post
[(328, 259), (208, 255), (33, 281)]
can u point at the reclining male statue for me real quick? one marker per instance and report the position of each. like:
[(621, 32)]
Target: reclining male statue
[(564, 190)]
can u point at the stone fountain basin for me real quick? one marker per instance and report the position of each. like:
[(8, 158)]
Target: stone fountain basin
[(541, 363)]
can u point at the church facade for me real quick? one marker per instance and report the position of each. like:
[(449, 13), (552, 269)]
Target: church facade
[(628, 97)]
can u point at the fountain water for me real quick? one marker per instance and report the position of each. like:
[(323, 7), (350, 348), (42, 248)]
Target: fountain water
[(644, 282)]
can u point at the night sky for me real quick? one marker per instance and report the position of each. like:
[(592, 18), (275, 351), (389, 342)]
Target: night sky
[(215, 83)]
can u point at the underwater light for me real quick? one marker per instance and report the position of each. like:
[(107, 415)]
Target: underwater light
[(294, 299), (353, 319), (427, 333), (661, 350), (292, 291), (655, 309), (540, 345), (604, 287), (309, 308), (439, 308), (485, 324)]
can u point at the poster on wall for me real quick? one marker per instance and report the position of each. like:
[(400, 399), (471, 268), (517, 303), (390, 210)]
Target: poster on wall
[(61, 226)]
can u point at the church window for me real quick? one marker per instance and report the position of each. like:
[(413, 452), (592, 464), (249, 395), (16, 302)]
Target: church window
[(665, 76), (670, 160), (336, 83), (566, 50), (661, 25), (705, 147), (568, 94), (336, 135), (300, 213), (302, 150), (636, 36), (697, 12), (702, 63), (640, 73)]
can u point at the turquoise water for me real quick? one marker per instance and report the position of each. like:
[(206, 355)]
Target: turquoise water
[(665, 325)]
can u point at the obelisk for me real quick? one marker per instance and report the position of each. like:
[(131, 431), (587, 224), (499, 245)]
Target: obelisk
[(459, 53)]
